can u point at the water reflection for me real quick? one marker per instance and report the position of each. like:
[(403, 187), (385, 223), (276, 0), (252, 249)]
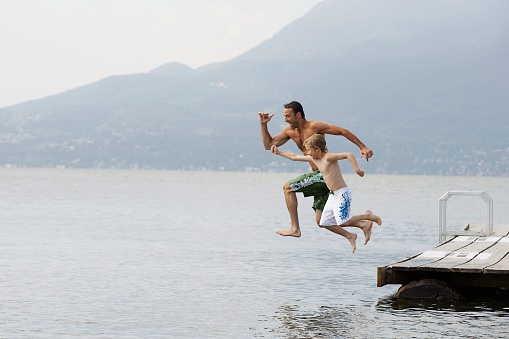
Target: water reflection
[(468, 318), (323, 322), (391, 318)]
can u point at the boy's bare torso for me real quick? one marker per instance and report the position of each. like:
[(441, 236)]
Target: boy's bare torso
[(331, 172)]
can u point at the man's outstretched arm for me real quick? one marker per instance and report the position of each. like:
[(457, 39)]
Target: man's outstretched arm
[(326, 128), (267, 139)]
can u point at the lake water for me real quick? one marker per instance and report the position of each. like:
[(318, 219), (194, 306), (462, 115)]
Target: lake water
[(162, 254)]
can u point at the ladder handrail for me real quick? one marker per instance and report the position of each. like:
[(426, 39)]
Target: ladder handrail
[(442, 208)]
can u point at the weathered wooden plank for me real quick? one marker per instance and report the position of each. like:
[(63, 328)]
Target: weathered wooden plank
[(474, 251), (437, 253), (502, 266), (488, 258)]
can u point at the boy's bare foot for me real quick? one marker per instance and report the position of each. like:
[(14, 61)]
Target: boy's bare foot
[(374, 217), (352, 240), (289, 232), (366, 228)]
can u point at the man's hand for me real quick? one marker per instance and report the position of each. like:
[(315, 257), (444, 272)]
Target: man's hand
[(265, 117), (360, 172), (367, 153)]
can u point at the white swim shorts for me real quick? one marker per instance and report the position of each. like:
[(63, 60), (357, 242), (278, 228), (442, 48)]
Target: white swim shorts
[(337, 210)]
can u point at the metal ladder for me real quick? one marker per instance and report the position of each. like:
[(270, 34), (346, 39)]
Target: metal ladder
[(442, 208)]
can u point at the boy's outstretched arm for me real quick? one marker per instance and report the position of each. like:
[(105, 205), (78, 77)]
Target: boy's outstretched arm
[(355, 165), (350, 157), (291, 156)]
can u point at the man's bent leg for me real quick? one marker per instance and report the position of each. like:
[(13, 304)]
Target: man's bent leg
[(291, 204), (309, 184)]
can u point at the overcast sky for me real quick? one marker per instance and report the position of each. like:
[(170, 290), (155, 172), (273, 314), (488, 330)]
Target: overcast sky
[(49, 46)]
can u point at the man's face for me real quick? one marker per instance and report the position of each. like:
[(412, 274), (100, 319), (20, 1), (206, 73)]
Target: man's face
[(290, 117)]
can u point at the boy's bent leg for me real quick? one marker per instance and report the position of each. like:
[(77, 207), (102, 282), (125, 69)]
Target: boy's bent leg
[(320, 199), (364, 222), (366, 227), (351, 237), (368, 215), (291, 205), (318, 216)]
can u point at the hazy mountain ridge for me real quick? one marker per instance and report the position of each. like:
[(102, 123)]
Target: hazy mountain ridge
[(422, 83)]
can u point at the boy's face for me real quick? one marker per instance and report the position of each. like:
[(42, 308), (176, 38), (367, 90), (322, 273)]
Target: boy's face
[(314, 152)]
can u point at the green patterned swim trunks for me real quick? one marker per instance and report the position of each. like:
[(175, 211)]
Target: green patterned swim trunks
[(312, 184)]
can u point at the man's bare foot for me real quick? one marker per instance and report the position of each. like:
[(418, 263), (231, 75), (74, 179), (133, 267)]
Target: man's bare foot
[(289, 232), (352, 240), (374, 217), (366, 228)]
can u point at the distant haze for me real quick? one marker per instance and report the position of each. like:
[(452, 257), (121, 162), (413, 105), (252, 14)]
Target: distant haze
[(423, 83), (53, 45)]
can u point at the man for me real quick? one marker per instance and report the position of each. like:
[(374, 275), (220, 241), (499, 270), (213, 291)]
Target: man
[(299, 129)]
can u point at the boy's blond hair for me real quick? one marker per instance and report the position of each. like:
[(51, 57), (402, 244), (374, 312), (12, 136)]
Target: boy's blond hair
[(316, 140)]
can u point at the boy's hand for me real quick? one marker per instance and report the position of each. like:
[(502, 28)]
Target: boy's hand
[(274, 149), (360, 172), (265, 117)]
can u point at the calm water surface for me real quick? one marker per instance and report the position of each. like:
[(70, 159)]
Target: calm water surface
[(161, 254)]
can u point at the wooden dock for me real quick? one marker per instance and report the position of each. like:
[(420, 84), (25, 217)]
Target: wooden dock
[(463, 261), (471, 258)]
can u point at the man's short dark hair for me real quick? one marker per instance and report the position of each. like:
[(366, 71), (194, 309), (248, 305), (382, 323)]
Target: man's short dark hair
[(297, 107)]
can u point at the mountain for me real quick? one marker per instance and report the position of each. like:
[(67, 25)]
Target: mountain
[(423, 83)]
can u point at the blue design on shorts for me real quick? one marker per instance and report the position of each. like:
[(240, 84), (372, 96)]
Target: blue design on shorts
[(344, 209)]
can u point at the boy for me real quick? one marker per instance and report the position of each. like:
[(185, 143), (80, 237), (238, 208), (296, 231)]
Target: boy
[(336, 213)]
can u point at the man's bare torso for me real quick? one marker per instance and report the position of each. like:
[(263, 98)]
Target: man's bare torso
[(300, 135)]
